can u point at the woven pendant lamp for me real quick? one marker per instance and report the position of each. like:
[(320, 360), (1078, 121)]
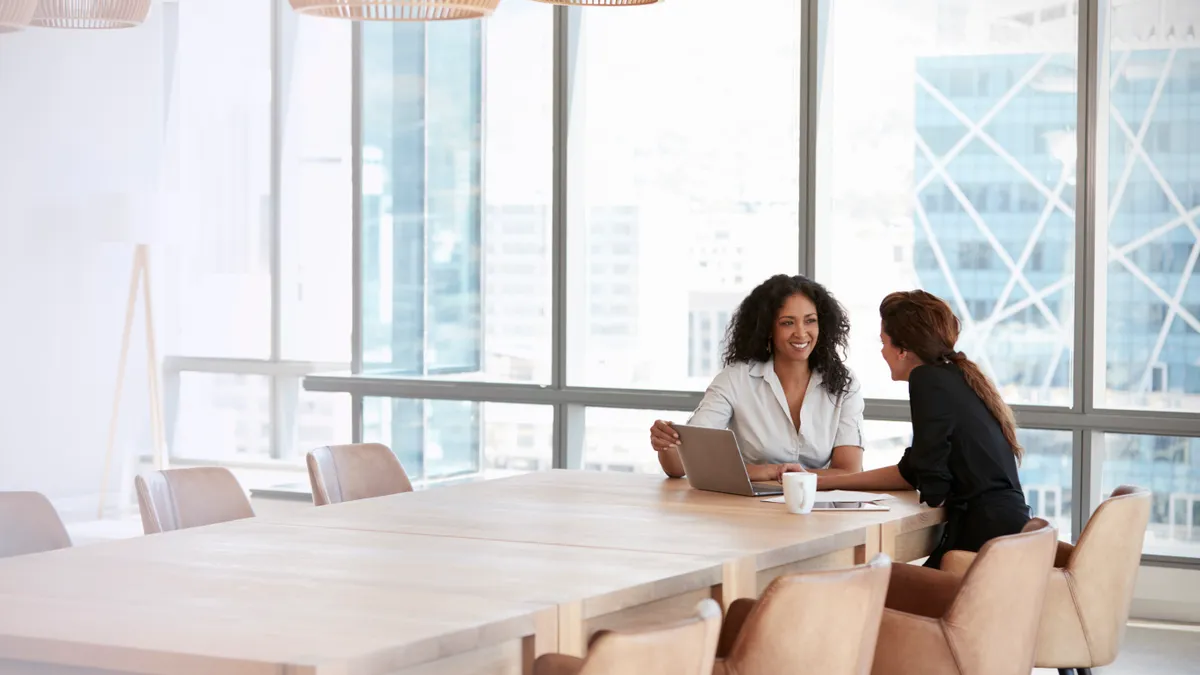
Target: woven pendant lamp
[(600, 3), (90, 14), (397, 10), (16, 14)]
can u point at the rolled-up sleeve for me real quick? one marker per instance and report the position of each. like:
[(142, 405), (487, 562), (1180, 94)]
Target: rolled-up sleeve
[(926, 465), (716, 408), (850, 419)]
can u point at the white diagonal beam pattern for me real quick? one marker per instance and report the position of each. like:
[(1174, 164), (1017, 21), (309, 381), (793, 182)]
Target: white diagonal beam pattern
[(1173, 308), (1163, 183), (942, 264), (996, 147), (1030, 244), (990, 237), (1154, 288), (1159, 231), (983, 121)]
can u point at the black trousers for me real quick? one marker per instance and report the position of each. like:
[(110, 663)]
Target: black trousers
[(971, 525)]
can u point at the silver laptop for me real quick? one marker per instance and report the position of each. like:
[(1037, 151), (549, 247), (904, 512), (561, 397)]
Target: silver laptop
[(712, 461)]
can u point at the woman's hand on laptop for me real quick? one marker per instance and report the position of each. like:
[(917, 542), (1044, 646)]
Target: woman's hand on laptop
[(790, 468), (663, 436), (762, 473)]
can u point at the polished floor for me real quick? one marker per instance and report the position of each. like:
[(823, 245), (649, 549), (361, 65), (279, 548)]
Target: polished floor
[(1161, 649)]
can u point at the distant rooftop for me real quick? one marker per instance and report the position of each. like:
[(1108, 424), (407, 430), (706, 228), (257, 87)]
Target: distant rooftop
[(1050, 25)]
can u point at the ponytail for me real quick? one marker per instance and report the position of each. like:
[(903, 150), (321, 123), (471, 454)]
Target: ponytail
[(924, 324), (986, 391)]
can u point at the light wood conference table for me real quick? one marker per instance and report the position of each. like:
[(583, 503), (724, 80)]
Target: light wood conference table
[(479, 577)]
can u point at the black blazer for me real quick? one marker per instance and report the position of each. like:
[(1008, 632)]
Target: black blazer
[(960, 458)]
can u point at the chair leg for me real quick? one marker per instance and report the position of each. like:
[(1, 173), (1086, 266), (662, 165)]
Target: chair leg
[(1066, 671), (1083, 671)]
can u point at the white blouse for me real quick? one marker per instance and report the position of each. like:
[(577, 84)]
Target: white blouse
[(748, 399)]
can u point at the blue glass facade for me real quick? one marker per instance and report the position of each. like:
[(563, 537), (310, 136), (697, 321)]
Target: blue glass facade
[(989, 210), (422, 231), (1153, 288), (994, 233)]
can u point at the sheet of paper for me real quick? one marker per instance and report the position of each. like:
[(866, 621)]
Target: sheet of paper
[(851, 496), (842, 496)]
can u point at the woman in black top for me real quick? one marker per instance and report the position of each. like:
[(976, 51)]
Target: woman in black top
[(964, 452)]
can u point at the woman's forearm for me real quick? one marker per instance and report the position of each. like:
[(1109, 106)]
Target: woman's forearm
[(887, 478), (830, 472), (846, 459), (672, 465)]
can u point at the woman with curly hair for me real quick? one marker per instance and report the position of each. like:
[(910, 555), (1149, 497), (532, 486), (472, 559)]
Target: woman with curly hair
[(964, 450), (785, 391)]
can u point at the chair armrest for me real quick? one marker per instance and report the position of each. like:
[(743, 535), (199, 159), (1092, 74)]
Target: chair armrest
[(912, 644), (557, 664), (1063, 554), (921, 590), (596, 636), (958, 562), (735, 618)]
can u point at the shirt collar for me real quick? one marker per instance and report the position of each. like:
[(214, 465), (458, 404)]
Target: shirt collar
[(761, 368)]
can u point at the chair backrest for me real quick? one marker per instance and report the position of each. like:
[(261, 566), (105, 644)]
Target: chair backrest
[(176, 499), (993, 622), (1104, 567), (688, 647), (29, 524), (344, 473), (828, 621)]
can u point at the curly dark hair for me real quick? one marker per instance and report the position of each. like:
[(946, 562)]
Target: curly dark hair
[(752, 328)]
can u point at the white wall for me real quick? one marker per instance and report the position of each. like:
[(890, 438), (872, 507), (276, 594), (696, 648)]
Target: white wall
[(1167, 594), (80, 136)]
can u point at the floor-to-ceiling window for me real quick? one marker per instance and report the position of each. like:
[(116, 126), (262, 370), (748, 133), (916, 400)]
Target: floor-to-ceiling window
[(257, 202), (561, 208), (455, 232), (951, 166), (1146, 325)]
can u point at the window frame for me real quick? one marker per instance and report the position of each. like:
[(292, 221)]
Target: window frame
[(286, 376), (1084, 417)]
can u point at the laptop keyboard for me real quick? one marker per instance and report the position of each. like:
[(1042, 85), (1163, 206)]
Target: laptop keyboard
[(766, 489)]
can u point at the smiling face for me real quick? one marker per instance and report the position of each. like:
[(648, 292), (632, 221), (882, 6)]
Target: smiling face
[(796, 329)]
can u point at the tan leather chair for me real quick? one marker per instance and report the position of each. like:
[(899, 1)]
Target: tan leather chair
[(812, 622), (29, 524), (684, 648), (984, 623), (1090, 587), (344, 473), (176, 499)]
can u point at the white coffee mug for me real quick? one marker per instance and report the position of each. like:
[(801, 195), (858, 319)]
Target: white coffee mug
[(800, 491)]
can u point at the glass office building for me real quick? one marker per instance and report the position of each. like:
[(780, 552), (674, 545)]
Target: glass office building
[(422, 232), (994, 233)]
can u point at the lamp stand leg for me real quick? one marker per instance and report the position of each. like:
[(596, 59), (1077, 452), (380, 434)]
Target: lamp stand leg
[(130, 308)]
